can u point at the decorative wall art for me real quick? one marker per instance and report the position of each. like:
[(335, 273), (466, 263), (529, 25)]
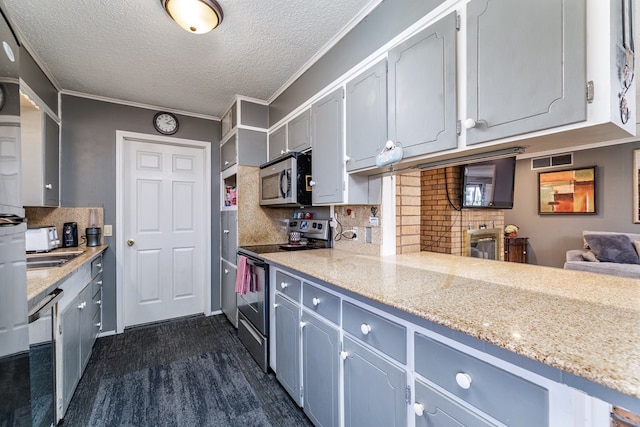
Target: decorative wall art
[(571, 191)]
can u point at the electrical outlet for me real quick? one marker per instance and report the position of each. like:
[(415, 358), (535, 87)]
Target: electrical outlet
[(355, 233)]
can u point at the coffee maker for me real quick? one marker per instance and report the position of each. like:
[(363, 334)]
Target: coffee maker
[(70, 235)]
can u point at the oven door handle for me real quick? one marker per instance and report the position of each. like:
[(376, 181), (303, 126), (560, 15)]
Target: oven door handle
[(256, 263)]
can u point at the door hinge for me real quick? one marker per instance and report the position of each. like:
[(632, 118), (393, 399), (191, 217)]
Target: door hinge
[(60, 328), (590, 91), (459, 127), (407, 395), (458, 22)]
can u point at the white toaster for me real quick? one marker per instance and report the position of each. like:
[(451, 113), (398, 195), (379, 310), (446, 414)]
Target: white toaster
[(42, 239)]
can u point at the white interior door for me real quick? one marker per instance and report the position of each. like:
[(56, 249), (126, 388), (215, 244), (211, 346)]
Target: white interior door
[(163, 209)]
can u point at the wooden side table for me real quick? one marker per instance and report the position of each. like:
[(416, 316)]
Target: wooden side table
[(515, 249)]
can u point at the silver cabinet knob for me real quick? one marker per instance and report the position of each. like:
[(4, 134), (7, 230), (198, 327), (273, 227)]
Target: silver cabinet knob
[(284, 285), (49, 186), (315, 301), (464, 380), (418, 409), (365, 329), (312, 183)]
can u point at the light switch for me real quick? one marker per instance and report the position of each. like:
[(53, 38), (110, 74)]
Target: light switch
[(108, 231)]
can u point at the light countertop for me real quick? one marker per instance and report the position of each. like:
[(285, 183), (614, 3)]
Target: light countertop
[(582, 323), (41, 282)]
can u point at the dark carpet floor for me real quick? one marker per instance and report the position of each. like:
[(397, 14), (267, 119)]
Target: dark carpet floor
[(186, 372)]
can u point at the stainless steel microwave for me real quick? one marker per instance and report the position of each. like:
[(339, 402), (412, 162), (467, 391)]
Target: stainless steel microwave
[(286, 181)]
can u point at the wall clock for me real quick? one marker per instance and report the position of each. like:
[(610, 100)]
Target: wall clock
[(165, 123)]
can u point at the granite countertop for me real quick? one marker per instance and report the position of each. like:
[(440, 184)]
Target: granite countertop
[(41, 282), (582, 323)]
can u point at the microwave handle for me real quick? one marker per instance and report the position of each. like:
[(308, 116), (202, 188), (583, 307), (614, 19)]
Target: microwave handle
[(284, 190)]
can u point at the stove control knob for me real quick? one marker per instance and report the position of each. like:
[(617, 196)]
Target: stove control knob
[(284, 285), (315, 301), (365, 329)]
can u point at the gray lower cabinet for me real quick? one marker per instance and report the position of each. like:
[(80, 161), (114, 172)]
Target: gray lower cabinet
[(228, 294), (287, 317), (327, 162), (526, 66), (434, 409), (320, 371), (366, 119), (229, 226), (422, 90), (78, 336), (374, 389)]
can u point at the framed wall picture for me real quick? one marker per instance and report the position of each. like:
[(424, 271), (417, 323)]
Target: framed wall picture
[(570, 191)]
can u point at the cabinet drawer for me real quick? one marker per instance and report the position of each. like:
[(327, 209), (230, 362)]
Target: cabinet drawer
[(321, 302), (505, 396), (385, 335), (96, 284), (290, 286), (439, 410), (96, 266)]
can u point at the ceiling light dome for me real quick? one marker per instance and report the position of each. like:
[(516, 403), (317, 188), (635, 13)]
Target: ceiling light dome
[(195, 16)]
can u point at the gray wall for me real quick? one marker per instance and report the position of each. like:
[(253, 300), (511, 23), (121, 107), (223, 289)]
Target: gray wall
[(550, 236), (88, 173), (385, 22), (31, 73)]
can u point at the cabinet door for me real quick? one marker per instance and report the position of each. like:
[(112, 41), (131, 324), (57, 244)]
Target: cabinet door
[(278, 142), (229, 243), (327, 161), (228, 153), (374, 389), (299, 132), (287, 317), (526, 66), (228, 293), (70, 320), (320, 371), (422, 90), (51, 162), (366, 103), (440, 411), (87, 330)]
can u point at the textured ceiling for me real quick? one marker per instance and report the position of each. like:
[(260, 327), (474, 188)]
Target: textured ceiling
[(132, 50)]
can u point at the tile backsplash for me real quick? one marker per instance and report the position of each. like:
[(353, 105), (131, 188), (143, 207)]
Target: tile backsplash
[(58, 216)]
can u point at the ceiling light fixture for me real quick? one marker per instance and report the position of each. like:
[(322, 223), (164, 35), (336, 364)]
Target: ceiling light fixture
[(195, 16)]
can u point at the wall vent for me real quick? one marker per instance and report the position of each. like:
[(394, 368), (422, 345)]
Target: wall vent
[(556, 160)]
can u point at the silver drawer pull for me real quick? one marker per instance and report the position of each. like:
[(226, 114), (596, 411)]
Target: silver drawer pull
[(225, 231), (97, 325), (99, 283), (99, 302), (82, 305), (99, 265), (284, 285), (344, 355), (464, 380), (365, 329), (315, 301), (226, 162), (418, 409), (48, 186)]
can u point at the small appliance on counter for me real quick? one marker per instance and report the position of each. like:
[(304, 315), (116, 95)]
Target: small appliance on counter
[(70, 235), (42, 239), (93, 236)]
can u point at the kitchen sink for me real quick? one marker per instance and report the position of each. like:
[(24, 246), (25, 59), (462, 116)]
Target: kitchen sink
[(51, 259)]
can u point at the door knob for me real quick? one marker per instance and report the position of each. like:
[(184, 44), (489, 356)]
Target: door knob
[(131, 242)]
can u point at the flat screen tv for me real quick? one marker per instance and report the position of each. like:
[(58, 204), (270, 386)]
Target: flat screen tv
[(489, 184)]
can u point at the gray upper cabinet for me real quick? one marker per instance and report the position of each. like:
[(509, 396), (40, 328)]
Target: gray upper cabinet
[(526, 66), (422, 90), (40, 157), (366, 104), (51, 162), (278, 142), (327, 162), (299, 138)]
